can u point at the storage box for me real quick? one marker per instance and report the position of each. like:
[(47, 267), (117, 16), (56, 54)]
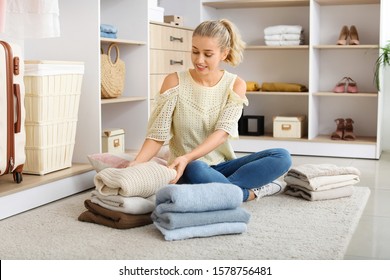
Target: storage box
[(156, 14), (53, 91), (289, 127), (113, 140), (173, 19)]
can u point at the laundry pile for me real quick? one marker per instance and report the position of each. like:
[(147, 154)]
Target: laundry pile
[(199, 210), (125, 197), (284, 35), (108, 31), (321, 181)]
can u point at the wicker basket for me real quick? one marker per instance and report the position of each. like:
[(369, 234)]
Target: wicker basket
[(52, 100)]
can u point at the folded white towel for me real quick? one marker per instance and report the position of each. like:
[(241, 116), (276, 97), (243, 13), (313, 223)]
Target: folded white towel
[(323, 182), (284, 43), (284, 37), (142, 180), (319, 195), (130, 205), (309, 171), (198, 197), (283, 29), (202, 231)]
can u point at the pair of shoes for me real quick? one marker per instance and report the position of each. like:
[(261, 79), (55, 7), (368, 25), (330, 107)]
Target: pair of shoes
[(344, 130), (346, 84), (273, 188), (351, 33)]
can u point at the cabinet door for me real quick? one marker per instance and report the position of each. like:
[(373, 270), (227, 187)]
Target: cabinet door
[(164, 62), (169, 38)]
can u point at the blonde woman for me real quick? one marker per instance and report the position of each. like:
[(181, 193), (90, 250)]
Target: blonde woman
[(197, 112)]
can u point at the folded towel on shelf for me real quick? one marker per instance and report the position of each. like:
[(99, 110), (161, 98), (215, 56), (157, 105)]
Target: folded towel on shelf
[(198, 197), (283, 87), (284, 37), (283, 29), (174, 220), (284, 43), (142, 180), (108, 28), (202, 231), (131, 205), (252, 86), (310, 171), (108, 35), (114, 219), (334, 193), (323, 182)]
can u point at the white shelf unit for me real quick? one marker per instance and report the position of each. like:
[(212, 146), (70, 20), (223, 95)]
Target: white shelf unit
[(318, 64)]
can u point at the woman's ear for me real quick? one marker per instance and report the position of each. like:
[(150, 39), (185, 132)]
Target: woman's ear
[(225, 53)]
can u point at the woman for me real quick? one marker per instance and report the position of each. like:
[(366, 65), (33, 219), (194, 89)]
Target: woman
[(198, 110)]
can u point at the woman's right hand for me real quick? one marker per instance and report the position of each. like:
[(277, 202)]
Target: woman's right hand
[(179, 164)]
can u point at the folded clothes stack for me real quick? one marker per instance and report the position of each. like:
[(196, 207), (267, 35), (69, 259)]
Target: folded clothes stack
[(321, 181), (108, 31), (283, 87), (199, 210), (125, 197), (284, 35)]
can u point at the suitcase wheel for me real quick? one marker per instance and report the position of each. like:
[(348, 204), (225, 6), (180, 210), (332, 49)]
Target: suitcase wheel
[(18, 177)]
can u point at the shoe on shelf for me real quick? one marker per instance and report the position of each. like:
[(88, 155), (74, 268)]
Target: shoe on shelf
[(351, 87), (341, 85), (273, 188), (353, 35), (343, 37), (338, 134), (349, 135)]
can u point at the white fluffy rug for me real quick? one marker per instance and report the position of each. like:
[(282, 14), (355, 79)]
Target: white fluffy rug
[(281, 227)]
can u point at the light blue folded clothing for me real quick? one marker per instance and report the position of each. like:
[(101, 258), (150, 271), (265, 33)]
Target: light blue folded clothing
[(175, 220), (108, 35), (108, 28), (198, 197), (202, 231)]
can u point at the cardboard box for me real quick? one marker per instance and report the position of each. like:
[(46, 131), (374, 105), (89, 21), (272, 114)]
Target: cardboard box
[(289, 127), (173, 19), (113, 140)]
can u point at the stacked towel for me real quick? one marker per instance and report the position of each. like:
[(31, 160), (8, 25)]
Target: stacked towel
[(199, 210), (284, 35), (125, 197), (283, 87), (321, 181), (108, 31)]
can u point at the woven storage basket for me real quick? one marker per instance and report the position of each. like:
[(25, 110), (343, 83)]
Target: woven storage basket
[(112, 74), (52, 100)]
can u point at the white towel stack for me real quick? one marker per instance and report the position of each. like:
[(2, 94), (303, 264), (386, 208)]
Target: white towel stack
[(284, 35), (321, 181)]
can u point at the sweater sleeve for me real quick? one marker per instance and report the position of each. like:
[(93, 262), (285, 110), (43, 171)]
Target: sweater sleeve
[(159, 125), (231, 113)]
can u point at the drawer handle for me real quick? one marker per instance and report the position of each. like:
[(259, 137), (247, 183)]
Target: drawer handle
[(176, 39), (173, 62)]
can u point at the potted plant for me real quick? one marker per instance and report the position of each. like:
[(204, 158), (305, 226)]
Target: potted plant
[(382, 61)]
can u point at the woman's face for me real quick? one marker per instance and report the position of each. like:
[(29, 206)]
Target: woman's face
[(206, 54)]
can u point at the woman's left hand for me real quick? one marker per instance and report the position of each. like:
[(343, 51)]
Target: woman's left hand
[(179, 164)]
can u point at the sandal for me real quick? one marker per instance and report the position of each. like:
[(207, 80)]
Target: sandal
[(340, 86), (339, 133), (348, 133), (352, 87)]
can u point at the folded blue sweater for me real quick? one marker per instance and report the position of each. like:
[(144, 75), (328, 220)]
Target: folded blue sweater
[(108, 28), (198, 197)]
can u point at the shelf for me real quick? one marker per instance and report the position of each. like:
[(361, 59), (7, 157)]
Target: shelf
[(122, 41), (122, 99), (360, 94), (346, 47), (232, 4), (267, 93), (263, 47), (346, 2)]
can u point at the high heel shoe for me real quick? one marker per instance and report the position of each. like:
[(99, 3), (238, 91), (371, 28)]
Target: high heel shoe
[(340, 86), (344, 33), (339, 133), (348, 132), (354, 37), (351, 87)]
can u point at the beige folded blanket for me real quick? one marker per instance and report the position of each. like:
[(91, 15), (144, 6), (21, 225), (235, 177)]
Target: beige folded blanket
[(321, 183), (309, 171), (334, 193), (142, 180)]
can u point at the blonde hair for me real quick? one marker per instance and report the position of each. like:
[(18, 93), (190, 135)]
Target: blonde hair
[(228, 38)]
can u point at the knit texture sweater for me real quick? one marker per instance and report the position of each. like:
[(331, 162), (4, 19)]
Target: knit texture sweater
[(188, 113)]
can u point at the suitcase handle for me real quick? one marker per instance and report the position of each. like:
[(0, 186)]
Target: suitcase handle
[(18, 123)]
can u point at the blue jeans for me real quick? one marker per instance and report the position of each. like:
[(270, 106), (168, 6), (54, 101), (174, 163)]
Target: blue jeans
[(247, 172)]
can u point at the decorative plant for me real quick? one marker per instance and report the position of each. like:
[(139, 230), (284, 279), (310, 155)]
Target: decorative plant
[(382, 61)]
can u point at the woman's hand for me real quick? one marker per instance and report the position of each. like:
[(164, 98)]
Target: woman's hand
[(179, 164)]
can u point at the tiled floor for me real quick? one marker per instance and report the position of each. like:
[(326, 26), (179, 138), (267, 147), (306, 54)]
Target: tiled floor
[(372, 236)]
